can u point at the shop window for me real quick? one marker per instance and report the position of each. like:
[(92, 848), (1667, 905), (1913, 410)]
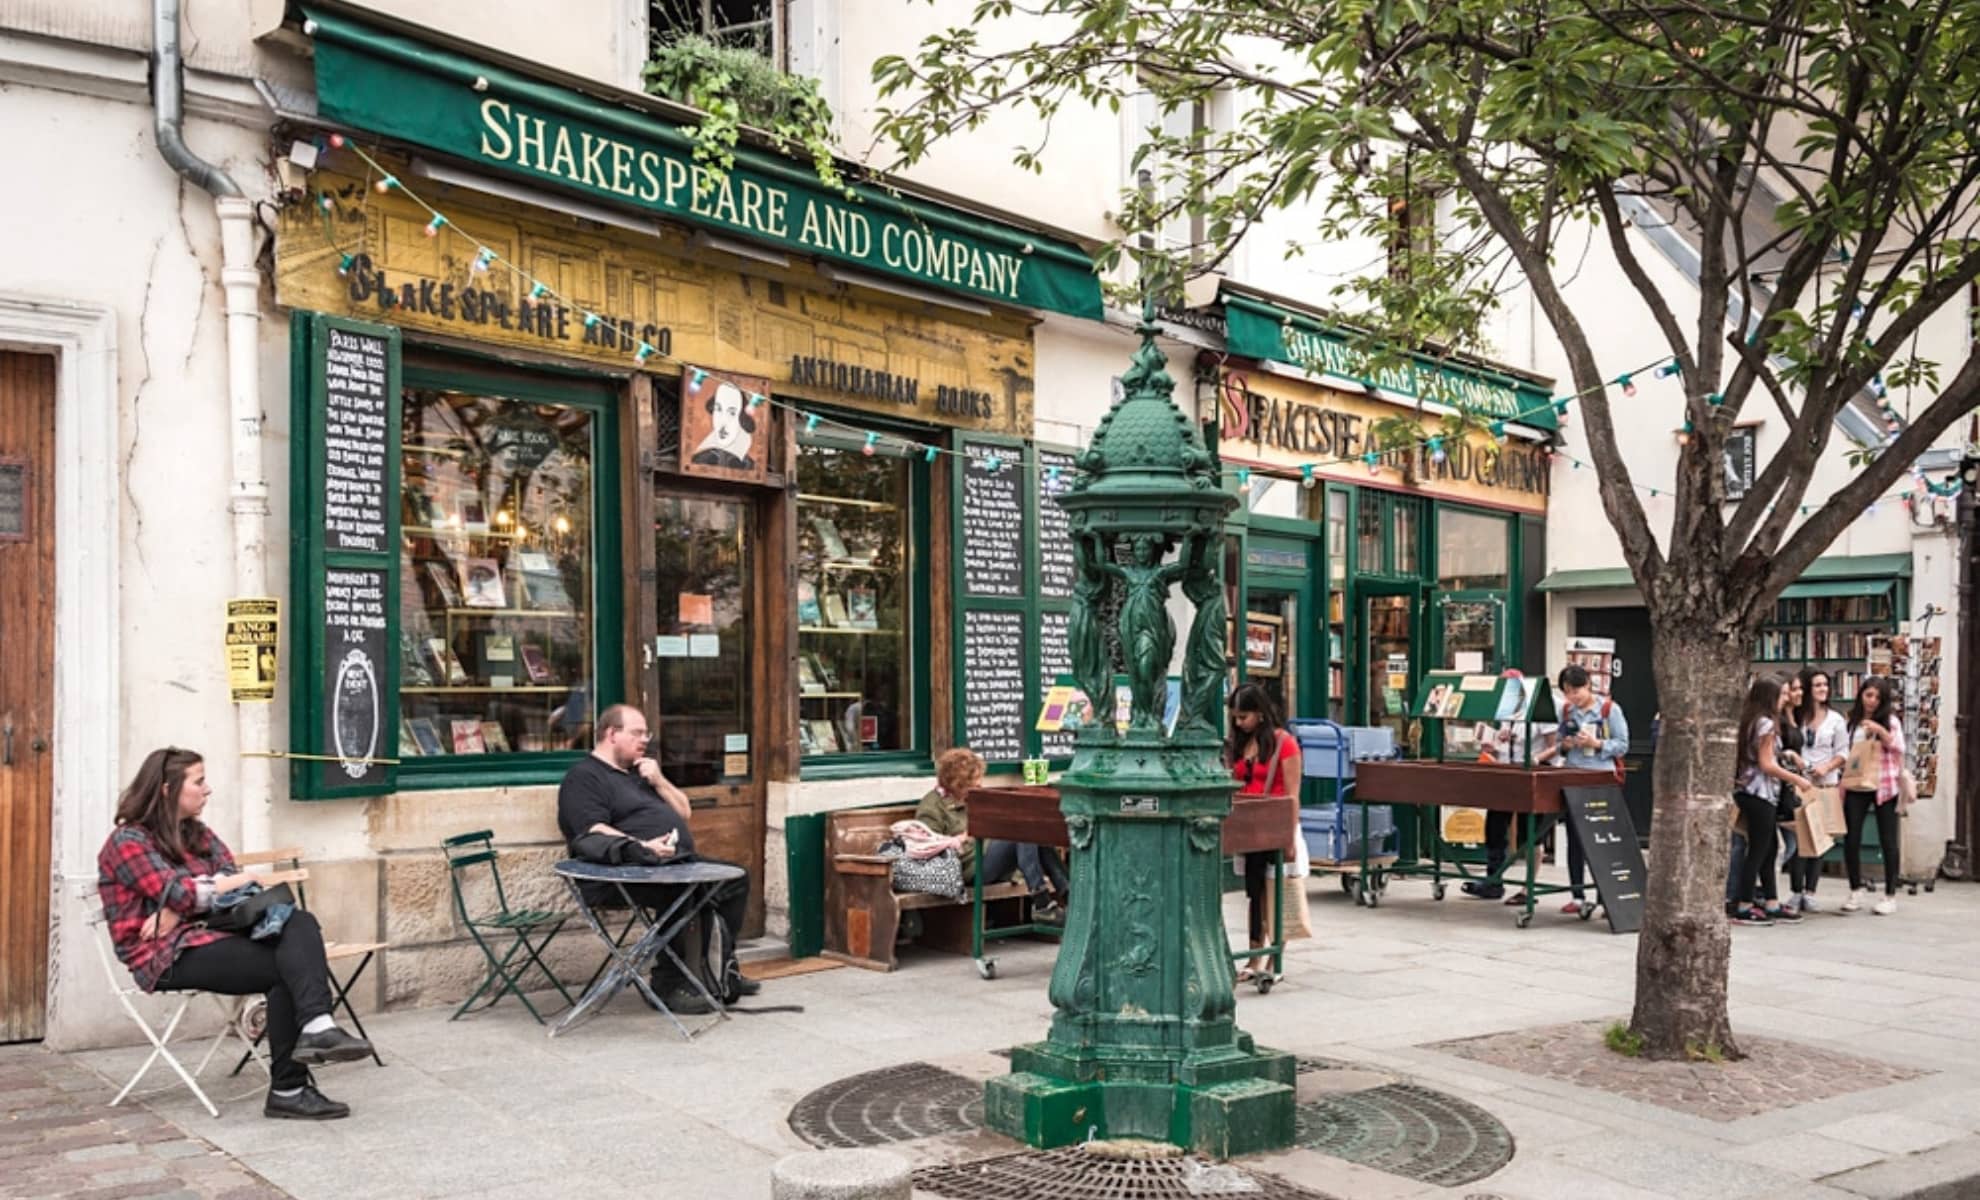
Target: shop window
[(856, 601), (497, 575), (1406, 536), (1368, 534), (1187, 121), (1337, 576), (754, 25), (1473, 551)]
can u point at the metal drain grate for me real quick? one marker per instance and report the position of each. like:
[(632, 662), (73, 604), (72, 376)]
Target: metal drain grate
[(1407, 1130), (897, 1104), (1072, 1173)]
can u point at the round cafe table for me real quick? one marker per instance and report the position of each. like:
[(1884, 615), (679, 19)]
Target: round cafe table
[(694, 883)]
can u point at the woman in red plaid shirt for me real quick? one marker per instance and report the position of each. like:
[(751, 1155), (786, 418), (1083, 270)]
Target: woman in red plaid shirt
[(158, 876)]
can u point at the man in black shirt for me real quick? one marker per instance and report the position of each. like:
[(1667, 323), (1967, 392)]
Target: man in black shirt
[(618, 790)]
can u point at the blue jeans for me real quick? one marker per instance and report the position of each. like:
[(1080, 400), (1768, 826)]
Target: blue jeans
[(1035, 863)]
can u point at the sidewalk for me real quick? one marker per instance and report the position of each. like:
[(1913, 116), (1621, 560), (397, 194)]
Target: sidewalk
[(491, 1107)]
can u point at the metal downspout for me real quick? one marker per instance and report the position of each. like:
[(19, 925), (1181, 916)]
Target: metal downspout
[(247, 494)]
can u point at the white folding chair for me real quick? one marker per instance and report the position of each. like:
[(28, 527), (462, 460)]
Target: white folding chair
[(236, 1013)]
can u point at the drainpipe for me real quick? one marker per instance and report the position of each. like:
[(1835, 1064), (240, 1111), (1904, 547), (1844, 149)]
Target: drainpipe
[(247, 493)]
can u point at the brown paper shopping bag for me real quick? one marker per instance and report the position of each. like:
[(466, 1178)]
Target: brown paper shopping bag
[(1866, 761), (1813, 835)]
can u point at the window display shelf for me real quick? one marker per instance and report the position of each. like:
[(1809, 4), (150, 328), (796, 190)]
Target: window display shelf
[(548, 613), (828, 695), (477, 689), (892, 633), (455, 531), (850, 502)]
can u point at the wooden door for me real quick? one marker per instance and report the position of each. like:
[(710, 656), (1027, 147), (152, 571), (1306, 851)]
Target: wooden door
[(27, 686)]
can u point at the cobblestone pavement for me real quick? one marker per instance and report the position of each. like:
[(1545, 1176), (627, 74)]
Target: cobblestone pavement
[(59, 1137), (1774, 1074)]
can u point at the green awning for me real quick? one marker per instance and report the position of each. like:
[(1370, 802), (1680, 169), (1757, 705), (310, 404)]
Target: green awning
[(1586, 581), (1836, 575), (394, 84), (1255, 329), (1858, 566), (1837, 587)]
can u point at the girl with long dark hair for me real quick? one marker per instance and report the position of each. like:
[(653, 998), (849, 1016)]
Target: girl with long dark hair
[(1756, 786), (1824, 751), (1264, 759), (158, 876), (1874, 719)]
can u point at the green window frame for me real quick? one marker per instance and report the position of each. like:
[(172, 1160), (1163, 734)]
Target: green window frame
[(842, 432)]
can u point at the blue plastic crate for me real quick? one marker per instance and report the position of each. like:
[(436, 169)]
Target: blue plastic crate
[(1334, 831), (1320, 747)]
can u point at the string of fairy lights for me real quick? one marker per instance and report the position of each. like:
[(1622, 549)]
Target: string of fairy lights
[(486, 260)]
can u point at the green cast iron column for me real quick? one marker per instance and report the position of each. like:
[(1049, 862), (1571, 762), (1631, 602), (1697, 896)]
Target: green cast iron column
[(1145, 1042)]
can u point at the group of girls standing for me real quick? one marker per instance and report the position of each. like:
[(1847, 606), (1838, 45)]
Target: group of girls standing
[(1792, 742)]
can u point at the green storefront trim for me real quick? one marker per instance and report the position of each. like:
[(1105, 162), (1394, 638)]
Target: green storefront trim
[(1868, 567), (395, 85), (1255, 329)]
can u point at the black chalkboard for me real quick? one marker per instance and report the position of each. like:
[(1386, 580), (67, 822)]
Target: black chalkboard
[(993, 521), (1054, 660), (1601, 818), (356, 428), (993, 684), (355, 628), (1056, 567)]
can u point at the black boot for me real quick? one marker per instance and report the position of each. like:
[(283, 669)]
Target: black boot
[(307, 1104)]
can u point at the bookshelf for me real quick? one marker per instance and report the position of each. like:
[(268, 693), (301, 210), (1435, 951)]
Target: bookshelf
[(1812, 626)]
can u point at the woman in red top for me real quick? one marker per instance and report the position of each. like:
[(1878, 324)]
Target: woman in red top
[(158, 875), (1264, 759)]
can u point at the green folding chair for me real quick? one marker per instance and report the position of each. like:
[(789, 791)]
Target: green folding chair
[(528, 930)]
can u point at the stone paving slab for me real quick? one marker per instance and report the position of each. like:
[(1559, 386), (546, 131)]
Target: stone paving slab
[(1774, 1074), (60, 1137)]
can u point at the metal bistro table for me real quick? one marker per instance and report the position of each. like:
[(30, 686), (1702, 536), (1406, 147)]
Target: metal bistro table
[(624, 964), (1256, 825)]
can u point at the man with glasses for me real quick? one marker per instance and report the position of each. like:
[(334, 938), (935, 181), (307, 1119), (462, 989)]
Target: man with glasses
[(619, 791)]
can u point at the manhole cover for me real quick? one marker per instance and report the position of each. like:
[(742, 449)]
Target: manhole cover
[(1072, 1173), (898, 1104), (1409, 1131)]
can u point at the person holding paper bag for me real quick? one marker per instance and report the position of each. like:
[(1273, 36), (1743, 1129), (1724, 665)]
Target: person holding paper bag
[(1825, 750), (1756, 783), (1870, 783)]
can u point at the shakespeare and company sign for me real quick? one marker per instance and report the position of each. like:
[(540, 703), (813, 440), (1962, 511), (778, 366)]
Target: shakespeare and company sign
[(914, 362), (508, 123), (1284, 423)]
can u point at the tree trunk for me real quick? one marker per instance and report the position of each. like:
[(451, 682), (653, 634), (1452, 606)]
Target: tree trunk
[(1685, 947)]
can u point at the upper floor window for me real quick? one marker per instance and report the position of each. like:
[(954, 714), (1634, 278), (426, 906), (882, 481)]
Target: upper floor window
[(755, 25), (1163, 181)]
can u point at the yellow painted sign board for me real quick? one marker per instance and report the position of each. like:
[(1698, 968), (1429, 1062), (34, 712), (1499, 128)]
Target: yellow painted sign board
[(254, 638), (608, 292)]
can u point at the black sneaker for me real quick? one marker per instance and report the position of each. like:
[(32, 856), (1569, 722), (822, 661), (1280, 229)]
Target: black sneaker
[(686, 1002), (1752, 916), (330, 1045), (1045, 912), (308, 1104), (1482, 891), (1785, 913)]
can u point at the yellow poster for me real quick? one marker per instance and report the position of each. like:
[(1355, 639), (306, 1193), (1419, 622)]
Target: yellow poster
[(254, 638)]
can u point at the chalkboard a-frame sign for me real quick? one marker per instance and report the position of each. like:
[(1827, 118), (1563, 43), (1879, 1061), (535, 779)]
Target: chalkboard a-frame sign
[(344, 556)]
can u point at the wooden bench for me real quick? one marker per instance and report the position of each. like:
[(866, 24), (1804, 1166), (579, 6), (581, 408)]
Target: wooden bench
[(862, 910)]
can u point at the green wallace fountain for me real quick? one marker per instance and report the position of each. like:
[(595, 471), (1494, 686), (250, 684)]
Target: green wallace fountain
[(1144, 1042)]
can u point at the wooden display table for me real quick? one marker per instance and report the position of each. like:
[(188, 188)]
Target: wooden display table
[(1528, 792), (1030, 813)]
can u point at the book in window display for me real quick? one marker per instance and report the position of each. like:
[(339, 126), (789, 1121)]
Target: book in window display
[(412, 668), (446, 589), (862, 609), (836, 614), (445, 665), (481, 584), (467, 736), (426, 736), (473, 512), (808, 681), (536, 663), (498, 659), (830, 544), (824, 736), (542, 583), (494, 737), (807, 599), (408, 741)]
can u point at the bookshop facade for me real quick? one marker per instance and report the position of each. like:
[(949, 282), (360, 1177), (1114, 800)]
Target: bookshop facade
[(1375, 566), (541, 466)]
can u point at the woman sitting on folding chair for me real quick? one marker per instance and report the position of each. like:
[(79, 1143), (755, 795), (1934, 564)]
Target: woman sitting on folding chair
[(159, 875)]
